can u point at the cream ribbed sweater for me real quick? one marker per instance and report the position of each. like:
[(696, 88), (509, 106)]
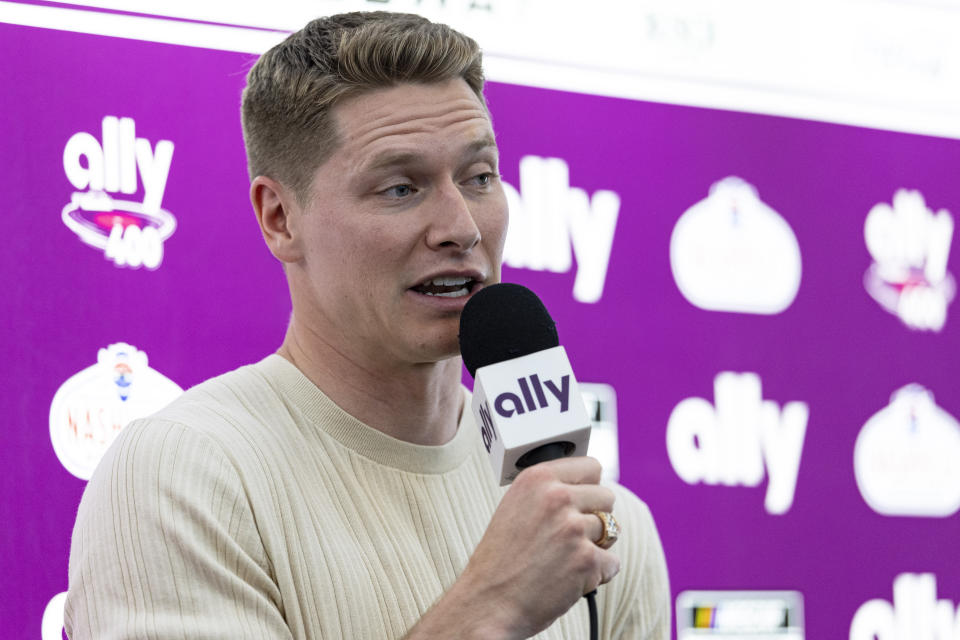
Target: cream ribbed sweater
[(254, 507)]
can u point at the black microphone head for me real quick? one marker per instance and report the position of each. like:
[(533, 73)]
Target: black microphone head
[(502, 322)]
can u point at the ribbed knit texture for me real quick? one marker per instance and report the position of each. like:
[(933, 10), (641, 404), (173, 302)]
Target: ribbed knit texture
[(254, 507)]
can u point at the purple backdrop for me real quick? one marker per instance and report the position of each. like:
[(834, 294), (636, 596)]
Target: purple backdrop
[(218, 300)]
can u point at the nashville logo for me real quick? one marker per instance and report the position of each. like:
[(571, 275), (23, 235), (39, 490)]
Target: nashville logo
[(130, 233), (91, 407)]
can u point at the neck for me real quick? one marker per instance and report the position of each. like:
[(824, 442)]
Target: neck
[(417, 403)]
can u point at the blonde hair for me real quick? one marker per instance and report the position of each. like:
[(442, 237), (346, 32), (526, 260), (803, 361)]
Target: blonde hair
[(286, 108)]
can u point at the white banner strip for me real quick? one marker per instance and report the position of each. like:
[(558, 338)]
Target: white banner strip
[(875, 63), (178, 32)]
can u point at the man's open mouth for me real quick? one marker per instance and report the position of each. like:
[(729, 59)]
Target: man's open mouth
[(446, 287)]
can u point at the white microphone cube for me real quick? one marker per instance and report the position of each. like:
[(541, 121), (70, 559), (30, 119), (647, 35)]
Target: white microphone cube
[(526, 402)]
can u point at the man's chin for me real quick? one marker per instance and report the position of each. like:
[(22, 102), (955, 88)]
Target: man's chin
[(437, 358), (437, 352)]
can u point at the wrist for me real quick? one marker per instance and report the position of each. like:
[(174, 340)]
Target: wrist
[(469, 611)]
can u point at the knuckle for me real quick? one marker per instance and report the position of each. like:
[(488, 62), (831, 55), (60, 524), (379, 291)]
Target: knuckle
[(525, 481), (607, 497), (584, 560), (557, 496), (534, 475), (575, 528), (593, 466)]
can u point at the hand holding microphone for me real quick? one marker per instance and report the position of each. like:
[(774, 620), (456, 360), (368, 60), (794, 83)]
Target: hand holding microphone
[(548, 542), (538, 556)]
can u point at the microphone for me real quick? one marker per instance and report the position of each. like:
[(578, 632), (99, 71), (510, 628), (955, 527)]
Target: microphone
[(526, 400), (509, 343)]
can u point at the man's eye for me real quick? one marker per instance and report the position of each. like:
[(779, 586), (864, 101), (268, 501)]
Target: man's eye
[(484, 179), (399, 191)]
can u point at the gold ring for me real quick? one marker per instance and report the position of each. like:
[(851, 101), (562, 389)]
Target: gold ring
[(611, 529)]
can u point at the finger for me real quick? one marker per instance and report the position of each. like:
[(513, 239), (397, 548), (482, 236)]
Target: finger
[(609, 566), (606, 565), (575, 470), (595, 531), (593, 527), (588, 498)]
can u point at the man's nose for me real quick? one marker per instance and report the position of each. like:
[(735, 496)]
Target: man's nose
[(452, 223)]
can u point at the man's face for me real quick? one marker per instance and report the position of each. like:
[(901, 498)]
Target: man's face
[(405, 221)]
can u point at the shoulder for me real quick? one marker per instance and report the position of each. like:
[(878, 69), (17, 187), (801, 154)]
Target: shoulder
[(240, 395), (218, 438), (171, 505), (238, 413), (210, 434), (193, 466), (153, 461)]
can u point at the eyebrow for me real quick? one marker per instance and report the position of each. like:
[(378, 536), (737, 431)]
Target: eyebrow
[(395, 158), (485, 142)]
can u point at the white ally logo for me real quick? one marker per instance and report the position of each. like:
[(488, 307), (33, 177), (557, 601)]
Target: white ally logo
[(548, 217), (730, 443), (915, 614), (92, 406), (906, 457), (910, 245), (130, 233), (732, 252)]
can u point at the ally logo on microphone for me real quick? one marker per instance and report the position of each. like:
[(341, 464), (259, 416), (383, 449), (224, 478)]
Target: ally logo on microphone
[(532, 397), (524, 403), (507, 404)]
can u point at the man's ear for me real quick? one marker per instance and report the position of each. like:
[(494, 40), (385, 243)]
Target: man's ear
[(274, 205)]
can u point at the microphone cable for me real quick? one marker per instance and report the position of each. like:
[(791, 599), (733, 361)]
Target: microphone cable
[(592, 609)]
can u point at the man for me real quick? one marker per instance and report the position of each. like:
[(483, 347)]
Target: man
[(339, 488)]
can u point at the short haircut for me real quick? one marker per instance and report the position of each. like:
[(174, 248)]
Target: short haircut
[(286, 108)]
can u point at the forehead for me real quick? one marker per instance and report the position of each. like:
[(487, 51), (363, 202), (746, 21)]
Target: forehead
[(432, 117)]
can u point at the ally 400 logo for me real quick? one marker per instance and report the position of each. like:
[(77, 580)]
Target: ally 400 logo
[(108, 173)]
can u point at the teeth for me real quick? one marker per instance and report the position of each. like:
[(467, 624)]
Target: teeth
[(450, 282), (451, 294)]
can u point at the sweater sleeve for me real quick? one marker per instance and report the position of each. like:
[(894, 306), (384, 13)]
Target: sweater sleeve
[(641, 608), (165, 545)]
